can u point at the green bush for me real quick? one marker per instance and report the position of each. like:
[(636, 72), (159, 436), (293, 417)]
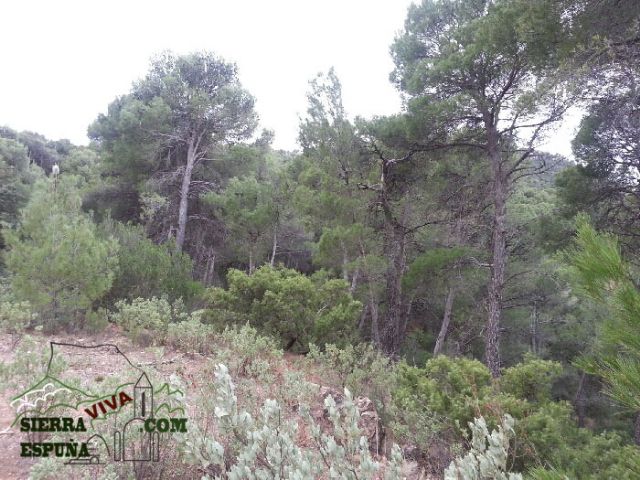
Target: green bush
[(292, 307), (146, 269), (191, 335), (146, 320), (247, 352), (361, 368), (58, 261), (15, 316), (97, 320), (456, 390), (531, 380)]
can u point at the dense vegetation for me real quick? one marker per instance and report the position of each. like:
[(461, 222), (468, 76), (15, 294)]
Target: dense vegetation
[(434, 260)]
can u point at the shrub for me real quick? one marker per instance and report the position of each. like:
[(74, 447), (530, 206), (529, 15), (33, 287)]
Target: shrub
[(288, 305), (30, 360), (247, 352), (15, 316), (546, 432), (265, 447), (531, 380), (191, 335), (361, 368), (146, 269), (148, 319), (454, 388), (97, 320), (487, 459)]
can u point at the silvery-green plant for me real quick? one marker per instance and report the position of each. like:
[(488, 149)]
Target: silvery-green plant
[(487, 459), (264, 448)]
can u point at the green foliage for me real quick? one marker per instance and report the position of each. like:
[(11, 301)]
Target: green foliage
[(544, 474), (454, 390), (250, 212), (576, 452), (146, 269), (430, 263), (59, 262), (598, 260), (451, 387), (31, 360), (530, 380), (246, 351), (97, 320), (15, 178), (288, 305), (15, 316), (191, 335), (607, 279), (487, 459), (147, 320), (361, 368)]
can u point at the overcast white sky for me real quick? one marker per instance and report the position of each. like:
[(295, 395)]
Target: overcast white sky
[(64, 61)]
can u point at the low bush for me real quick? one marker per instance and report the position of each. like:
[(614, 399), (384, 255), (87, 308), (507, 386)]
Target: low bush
[(288, 305), (487, 458), (146, 320), (191, 335), (456, 390), (265, 447), (15, 316), (247, 352), (361, 368)]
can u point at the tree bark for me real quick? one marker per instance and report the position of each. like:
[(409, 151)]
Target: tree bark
[(498, 249), (534, 328), (392, 332), (208, 273), (580, 401), (275, 247), (184, 194), (446, 319), (251, 265), (373, 309), (345, 261), (354, 281)]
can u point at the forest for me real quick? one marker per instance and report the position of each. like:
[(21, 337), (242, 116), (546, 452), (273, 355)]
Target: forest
[(481, 296)]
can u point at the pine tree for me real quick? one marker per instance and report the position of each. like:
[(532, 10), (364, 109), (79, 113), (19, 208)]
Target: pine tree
[(58, 261)]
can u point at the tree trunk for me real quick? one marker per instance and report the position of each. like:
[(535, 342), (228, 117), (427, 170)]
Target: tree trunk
[(354, 281), (392, 332), (208, 273), (345, 261), (184, 194), (498, 251), (251, 265), (446, 319), (579, 401), (534, 328), (275, 247), (373, 309)]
